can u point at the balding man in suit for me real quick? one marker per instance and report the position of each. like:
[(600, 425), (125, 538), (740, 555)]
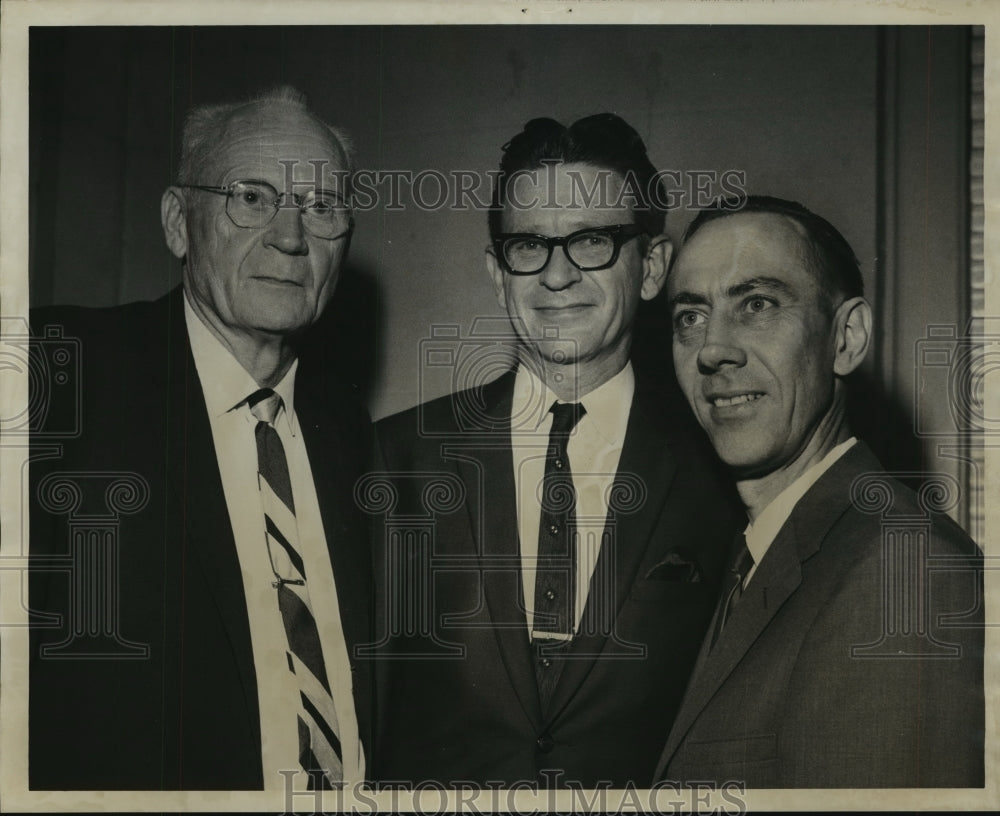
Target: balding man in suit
[(207, 641), (830, 661)]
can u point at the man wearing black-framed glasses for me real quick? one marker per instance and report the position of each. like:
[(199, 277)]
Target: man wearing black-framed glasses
[(583, 569), (240, 578)]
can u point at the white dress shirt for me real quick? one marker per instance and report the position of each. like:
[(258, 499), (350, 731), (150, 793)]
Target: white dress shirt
[(761, 533), (226, 385), (594, 448)]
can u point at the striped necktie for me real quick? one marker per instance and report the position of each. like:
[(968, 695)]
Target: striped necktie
[(319, 744)]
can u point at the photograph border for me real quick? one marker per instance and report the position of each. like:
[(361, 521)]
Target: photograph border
[(19, 15)]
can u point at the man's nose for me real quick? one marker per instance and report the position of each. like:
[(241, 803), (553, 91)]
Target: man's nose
[(285, 232), (722, 347), (559, 273)]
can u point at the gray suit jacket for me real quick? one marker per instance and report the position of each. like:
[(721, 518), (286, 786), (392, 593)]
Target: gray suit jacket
[(855, 656)]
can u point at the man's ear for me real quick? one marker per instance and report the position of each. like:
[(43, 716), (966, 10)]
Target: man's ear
[(655, 266), (173, 217), (496, 275), (853, 324)]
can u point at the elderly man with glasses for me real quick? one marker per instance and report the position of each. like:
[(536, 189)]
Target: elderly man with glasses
[(208, 644), (557, 611)]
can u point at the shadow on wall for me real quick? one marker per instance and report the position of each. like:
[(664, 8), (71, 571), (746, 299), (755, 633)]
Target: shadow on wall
[(344, 338), (885, 422)]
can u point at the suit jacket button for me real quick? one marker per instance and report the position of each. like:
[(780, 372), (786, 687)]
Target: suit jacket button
[(546, 743)]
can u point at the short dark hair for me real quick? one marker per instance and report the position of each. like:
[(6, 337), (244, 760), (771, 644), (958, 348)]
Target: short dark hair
[(838, 265), (603, 140)]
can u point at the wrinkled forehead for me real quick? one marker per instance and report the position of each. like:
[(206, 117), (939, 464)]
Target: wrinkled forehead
[(278, 143), (745, 245)]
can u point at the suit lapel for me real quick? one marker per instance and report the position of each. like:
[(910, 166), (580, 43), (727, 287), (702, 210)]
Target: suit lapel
[(197, 486), (487, 471), (777, 577), (642, 483)]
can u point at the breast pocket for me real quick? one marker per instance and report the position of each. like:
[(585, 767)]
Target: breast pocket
[(681, 593), (739, 752)]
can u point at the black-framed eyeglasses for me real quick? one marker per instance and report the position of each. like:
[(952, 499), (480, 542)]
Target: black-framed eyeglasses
[(253, 205), (588, 249)]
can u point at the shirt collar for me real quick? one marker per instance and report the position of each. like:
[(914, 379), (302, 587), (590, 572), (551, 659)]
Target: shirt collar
[(224, 382), (606, 404), (761, 533)]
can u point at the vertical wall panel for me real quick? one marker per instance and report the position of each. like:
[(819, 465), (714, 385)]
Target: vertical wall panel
[(924, 282)]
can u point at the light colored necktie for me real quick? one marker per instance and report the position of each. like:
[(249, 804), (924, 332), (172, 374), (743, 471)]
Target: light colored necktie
[(319, 743)]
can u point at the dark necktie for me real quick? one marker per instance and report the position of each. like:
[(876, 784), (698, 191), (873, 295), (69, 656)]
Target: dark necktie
[(732, 590), (555, 577), (318, 729)]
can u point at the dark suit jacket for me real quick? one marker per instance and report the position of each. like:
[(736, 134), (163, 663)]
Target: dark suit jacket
[(457, 694), (161, 691), (804, 688)]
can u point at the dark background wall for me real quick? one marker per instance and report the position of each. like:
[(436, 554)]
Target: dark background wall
[(867, 126)]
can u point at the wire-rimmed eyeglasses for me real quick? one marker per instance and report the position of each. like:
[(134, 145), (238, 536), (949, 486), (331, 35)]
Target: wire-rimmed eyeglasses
[(588, 249), (253, 205)]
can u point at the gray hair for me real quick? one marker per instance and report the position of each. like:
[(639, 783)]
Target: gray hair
[(205, 124)]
